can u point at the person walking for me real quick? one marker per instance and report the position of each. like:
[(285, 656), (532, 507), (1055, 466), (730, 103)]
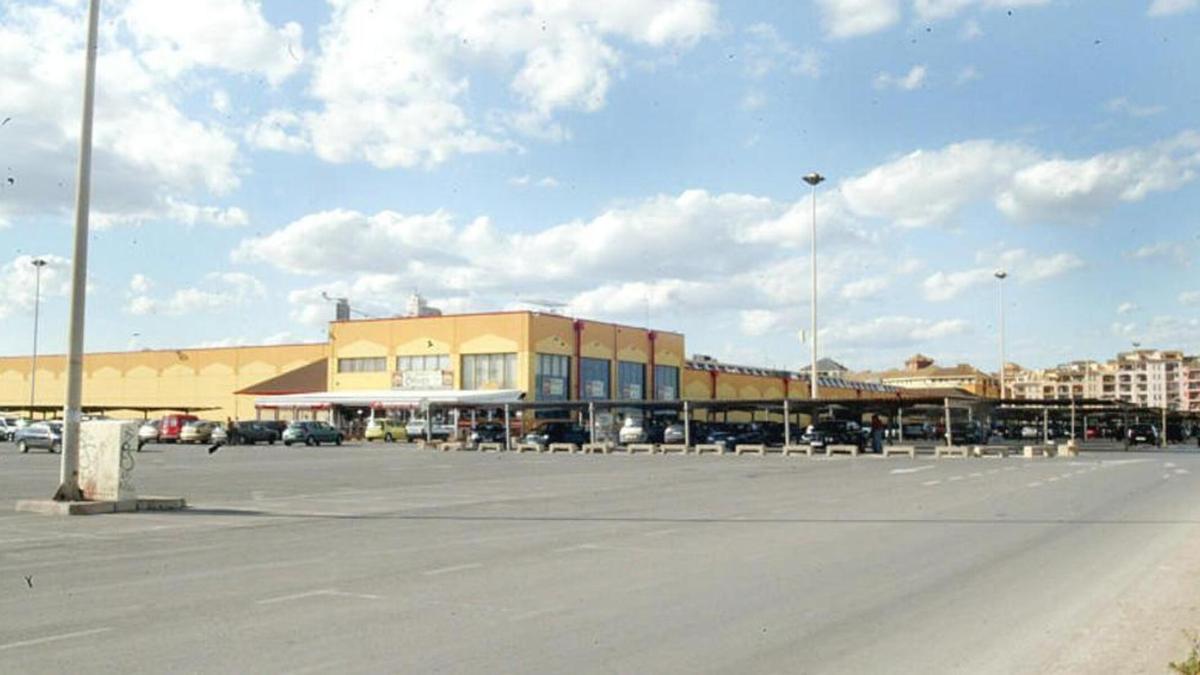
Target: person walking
[(876, 434)]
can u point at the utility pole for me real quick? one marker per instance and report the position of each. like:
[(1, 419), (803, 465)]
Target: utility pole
[(68, 489)]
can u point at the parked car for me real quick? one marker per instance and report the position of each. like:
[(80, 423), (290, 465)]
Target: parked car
[(196, 431), (967, 433), (8, 428), (171, 425), (557, 432), (730, 435), (383, 429), (148, 432), (487, 432), (311, 433), (416, 429), (835, 432), (47, 435), (674, 433), (634, 430), (916, 431), (218, 435), (1028, 432), (249, 433), (1145, 434)]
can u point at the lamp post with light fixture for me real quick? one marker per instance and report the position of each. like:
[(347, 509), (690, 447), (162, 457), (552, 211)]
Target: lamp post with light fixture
[(38, 264), (1001, 275), (814, 179)]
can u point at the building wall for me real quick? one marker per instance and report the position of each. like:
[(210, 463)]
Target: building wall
[(191, 378)]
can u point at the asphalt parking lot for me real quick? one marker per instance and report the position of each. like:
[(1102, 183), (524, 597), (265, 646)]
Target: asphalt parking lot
[(387, 558)]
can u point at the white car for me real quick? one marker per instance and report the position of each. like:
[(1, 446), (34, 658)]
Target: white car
[(1030, 432), (148, 432), (416, 429), (631, 432)]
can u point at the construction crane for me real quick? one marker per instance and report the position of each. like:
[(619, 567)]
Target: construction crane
[(344, 310)]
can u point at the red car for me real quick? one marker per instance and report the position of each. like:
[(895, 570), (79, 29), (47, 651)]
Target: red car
[(169, 427)]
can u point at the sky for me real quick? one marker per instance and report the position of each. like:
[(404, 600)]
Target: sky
[(639, 161)]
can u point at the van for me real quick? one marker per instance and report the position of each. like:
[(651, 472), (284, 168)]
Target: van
[(170, 426)]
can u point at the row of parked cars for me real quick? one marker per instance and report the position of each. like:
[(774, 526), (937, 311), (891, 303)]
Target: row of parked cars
[(190, 429)]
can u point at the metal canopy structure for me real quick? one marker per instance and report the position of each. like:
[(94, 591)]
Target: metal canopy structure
[(392, 399)]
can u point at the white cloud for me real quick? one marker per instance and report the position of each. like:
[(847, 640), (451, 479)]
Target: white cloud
[(908, 82), (852, 18), (867, 287), (754, 100), (942, 286), (893, 331), (967, 74), (147, 150), (756, 322), (279, 130), (928, 187), (1123, 105), (1040, 269), (935, 10), (1189, 298), (220, 101), (1162, 331), (766, 51), (219, 291), (527, 181), (1162, 250), (1172, 7), (1126, 308), (1022, 267), (970, 31), (140, 284), (1074, 190), (391, 78), (18, 282)]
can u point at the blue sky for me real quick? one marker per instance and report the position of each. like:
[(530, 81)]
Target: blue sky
[(633, 159)]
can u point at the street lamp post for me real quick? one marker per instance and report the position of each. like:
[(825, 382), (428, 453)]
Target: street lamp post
[(1001, 275), (814, 179), (68, 488), (38, 264)]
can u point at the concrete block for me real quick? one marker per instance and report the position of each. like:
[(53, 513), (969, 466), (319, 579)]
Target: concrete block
[(106, 460), (161, 503), (453, 445), (634, 448), (989, 451), (601, 448), (677, 448), (562, 447), (952, 451), (1068, 449), (851, 450), (715, 448), (490, 447), (756, 448), (1031, 451), (91, 508), (530, 447), (789, 450), (910, 450)]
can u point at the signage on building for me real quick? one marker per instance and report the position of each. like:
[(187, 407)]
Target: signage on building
[(595, 389), (423, 379), (553, 386)]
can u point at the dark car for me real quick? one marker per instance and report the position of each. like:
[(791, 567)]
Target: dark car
[(1144, 434), (487, 432), (251, 433), (835, 432), (46, 435), (731, 434), (967, 433), (278, 426), (558, 432), (311, 433)]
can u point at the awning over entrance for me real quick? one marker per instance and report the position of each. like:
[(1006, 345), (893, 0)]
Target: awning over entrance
[(390, 399)]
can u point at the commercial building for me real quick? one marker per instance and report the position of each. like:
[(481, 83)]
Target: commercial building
[(921, 372), (400, 361)]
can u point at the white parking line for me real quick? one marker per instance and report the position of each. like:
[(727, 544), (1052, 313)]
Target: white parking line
[(1035, 483), (1181, 471), (931, 482), (452, 568), (53, 638), (323, 592), (578, 547), (914, 469)]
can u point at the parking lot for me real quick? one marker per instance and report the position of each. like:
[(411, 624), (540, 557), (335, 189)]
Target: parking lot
[(385, 557)]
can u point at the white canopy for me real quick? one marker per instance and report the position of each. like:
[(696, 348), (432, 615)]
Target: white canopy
[(390, 398)]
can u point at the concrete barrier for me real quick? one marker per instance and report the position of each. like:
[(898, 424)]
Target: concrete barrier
[(990, 451), (851, 450), (715, 448), (673, 448), (490, 447), (789, 450), (1068, 449), (910, 450), (756, 448), (963, 451), (451, 445), (634, 448), (1031, 451), (531, 447), (598, 448), (562, 447)]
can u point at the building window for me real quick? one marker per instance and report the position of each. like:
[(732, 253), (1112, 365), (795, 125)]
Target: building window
[(368, 364), (553, 377), (666, 383), (631, 380), (489, 371), (428, 371), (596, 375)]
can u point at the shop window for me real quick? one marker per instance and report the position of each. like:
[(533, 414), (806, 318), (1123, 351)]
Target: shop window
[(631, 380), (666, 383), (596, 376), (427, 371), (368, 364), (553, 377), (489, 371)]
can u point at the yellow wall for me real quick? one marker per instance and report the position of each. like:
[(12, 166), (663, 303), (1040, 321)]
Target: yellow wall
[(169, 378)]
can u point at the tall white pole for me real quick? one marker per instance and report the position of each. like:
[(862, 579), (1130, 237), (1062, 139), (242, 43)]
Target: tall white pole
[(814, 179), (68, 489), (38, 264), (1001, 275)]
